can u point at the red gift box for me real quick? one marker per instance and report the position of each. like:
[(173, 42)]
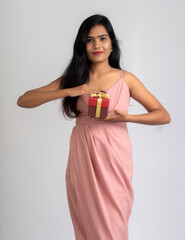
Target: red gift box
[(98, 105)]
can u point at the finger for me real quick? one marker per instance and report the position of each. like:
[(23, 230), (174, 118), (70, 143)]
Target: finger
[(117, 111), (107, 118), (110, 117), (94, 89)]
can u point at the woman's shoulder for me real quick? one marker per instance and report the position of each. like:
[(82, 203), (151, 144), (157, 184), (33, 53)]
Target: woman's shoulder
[(126, 74), (130, 79), (118, 73)]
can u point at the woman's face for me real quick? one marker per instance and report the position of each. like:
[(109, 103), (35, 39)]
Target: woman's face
[(98, 40)]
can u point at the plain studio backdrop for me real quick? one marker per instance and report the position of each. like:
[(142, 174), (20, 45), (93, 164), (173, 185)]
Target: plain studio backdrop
[(36, 45)]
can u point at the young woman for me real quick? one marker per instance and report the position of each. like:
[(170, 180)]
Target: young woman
[(100, 168)]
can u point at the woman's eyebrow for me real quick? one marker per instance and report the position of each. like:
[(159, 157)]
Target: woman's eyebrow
[(98, 36)]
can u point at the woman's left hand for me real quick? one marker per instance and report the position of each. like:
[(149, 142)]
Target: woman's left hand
[(118, 116)]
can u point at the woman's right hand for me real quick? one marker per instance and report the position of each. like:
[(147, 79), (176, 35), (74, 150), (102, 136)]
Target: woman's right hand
[(82, 89), (52, 91)]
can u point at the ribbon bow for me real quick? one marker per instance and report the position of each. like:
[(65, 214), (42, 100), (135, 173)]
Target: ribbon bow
[(100, 95)]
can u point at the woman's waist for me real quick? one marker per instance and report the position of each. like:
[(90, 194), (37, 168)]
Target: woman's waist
[(91, 120)]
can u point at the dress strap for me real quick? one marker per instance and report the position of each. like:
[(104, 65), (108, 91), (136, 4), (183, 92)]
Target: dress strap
[(121, 74)]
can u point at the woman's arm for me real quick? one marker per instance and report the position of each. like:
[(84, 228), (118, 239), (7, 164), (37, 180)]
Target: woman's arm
[(34, 98), (156, 115), (38, 96)]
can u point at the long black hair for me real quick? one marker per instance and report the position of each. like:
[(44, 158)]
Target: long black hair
[(77, 72)]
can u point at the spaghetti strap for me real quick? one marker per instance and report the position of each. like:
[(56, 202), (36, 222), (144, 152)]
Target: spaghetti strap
[(121, 74)]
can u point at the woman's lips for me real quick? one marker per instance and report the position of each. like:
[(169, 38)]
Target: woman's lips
[(97, 53)]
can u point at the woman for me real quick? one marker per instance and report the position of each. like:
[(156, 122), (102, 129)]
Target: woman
[(100, 168)]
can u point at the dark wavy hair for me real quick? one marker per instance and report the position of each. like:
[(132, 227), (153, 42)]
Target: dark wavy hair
[(77, 72)]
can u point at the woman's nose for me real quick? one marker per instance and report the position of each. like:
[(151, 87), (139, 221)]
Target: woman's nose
[(96, 43)]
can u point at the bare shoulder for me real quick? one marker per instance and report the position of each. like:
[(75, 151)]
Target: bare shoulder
[(135, 86), (130, 79), (141, 94)]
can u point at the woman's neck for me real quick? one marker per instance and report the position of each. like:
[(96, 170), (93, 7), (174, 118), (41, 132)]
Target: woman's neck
[(99, 69)]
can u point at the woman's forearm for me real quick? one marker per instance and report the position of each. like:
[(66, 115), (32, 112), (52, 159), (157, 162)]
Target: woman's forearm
[(155, 117), (33, 98)]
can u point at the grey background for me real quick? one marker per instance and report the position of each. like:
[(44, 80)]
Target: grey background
[(36, 45)]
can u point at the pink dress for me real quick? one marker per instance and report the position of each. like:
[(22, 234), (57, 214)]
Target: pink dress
[(99, 172)]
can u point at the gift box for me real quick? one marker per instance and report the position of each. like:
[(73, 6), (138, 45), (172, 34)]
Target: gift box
[(98, 105)]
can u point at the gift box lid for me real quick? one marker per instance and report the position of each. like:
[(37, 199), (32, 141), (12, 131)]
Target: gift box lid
[(93, 102)]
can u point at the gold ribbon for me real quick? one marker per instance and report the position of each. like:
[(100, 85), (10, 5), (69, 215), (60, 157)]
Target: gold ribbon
[(99, 102)]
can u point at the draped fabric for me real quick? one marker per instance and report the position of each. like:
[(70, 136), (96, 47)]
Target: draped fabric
[(100, 170)]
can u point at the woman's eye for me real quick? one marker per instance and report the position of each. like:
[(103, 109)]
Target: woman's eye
[(102, 38), (88, 40)]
